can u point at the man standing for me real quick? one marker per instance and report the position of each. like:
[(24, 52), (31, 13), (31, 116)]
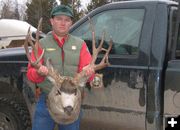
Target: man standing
[(68, 54)]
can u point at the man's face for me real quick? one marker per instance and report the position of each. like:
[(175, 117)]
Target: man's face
[(61, 24)]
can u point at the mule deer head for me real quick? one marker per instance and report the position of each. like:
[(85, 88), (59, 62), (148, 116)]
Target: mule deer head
[(64, 100)]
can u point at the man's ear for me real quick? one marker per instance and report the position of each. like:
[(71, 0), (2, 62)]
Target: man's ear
[(51, 21), (71, 21)]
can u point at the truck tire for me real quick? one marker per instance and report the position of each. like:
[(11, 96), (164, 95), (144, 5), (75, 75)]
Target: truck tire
[(13, 116)]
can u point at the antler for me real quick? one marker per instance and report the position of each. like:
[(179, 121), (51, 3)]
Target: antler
[(54, 74), (81, 77), (58, 79), (34, 47), (104, 62)]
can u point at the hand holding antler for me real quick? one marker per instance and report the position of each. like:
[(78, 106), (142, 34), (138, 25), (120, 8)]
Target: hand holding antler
[(43, 70), (92, 67), (89, 70)]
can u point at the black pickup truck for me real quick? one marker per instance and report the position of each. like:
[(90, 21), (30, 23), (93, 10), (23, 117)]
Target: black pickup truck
[(142, 85)]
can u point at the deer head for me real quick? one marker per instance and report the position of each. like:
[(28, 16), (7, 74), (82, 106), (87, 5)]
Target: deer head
[(64, 100)]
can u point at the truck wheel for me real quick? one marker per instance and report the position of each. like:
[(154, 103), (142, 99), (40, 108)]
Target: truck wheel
[(13, 116)]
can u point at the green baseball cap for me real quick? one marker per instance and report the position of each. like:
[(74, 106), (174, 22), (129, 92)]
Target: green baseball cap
[(62, 10)]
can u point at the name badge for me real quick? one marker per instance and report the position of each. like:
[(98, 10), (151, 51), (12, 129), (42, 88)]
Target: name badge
[(50, 49)]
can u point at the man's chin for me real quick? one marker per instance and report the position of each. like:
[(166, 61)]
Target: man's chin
[(62, 34)]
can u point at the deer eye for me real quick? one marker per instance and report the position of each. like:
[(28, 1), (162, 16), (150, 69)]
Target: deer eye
[(75, 92), (58, 92)]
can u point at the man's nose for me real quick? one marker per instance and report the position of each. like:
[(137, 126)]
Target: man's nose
[(63, 22), (68, 110)]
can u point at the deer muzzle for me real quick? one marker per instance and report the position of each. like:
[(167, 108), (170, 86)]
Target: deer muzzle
[(68, 110)]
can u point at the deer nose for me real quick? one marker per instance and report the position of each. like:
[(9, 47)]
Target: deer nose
[(68, 110)]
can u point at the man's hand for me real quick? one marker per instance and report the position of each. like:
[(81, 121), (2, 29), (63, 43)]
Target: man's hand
[(88, 70), (43, 70)]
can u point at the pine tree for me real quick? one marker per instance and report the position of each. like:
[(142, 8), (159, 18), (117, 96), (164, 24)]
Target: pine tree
[(96, 3), (37, 9), (6, 11), (16, 11), (78, 12), (76, 6)]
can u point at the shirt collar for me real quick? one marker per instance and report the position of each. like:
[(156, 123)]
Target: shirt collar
[(60, 41)]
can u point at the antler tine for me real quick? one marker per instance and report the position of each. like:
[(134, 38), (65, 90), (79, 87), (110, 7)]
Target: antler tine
[(26, 45), (52, 72), (37, 38), (53, 75), (34, 47), (93, 35), (94, 50), (37, 42), (38, 30), (81, 78), (104, 62), (98, 49)]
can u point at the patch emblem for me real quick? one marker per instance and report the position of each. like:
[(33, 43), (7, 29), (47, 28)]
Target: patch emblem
[(50, 49), (73, 47)]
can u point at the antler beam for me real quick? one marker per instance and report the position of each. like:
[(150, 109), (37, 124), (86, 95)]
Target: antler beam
[(34, 46), (104, 62), (81, 77)]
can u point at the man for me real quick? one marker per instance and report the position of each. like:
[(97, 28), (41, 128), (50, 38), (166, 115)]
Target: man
[(68, 54)]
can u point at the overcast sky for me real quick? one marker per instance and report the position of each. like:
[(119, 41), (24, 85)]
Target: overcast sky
[(83, 2), (22, 5)]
